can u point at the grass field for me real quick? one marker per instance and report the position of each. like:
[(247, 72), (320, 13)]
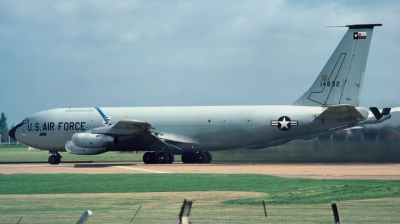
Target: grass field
[(221, 198), (163, 207), (218, 198)]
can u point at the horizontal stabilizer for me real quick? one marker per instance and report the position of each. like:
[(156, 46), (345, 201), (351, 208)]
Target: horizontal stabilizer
[(386, 111), (341, 112), (395, 109), (376, 112), (378, 115)]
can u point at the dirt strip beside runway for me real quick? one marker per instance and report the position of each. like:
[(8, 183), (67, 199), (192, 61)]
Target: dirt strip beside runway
[(318, 171)]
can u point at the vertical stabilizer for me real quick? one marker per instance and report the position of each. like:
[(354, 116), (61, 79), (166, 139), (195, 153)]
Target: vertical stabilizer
[(341, 79)]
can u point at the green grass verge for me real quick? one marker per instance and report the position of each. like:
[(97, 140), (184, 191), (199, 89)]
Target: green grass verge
[(218, 198), (20, 153), (280, 190), (208, 207)]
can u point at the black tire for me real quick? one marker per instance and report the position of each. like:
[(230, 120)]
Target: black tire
[(171, 158), (186, 157), (189, 157), (162, 158), (201, 157), (209, 157), (54, 160), (148, 158)]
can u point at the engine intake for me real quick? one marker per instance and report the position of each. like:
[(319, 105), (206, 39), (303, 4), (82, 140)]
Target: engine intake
[(88, 140), (89, 144), (73, 149)]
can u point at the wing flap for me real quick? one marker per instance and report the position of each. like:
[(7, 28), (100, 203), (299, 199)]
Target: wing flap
[(176, 138), (341, 112)]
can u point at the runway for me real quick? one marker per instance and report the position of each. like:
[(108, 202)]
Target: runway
[(316, 171)]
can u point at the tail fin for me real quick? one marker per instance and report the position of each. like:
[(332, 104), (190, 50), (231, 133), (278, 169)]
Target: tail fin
[(341, 79)]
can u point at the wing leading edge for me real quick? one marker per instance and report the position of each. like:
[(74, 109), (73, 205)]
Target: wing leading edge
[(123, 127)]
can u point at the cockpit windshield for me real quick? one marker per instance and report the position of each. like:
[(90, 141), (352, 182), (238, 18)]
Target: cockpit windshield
[(25, 121)]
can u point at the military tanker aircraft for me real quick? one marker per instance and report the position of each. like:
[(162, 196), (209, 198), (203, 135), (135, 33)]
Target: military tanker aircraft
[(331, 104)]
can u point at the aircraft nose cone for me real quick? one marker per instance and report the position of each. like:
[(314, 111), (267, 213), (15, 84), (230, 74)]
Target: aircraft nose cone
[(11, 133)]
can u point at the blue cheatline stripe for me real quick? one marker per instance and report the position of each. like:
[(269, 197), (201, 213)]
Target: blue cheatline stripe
[(105, 118)]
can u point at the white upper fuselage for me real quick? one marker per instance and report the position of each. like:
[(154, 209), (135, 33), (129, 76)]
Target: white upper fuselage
[(210, 127)]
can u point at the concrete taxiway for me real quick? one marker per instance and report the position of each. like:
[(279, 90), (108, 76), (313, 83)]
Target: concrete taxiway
[(317, 171)]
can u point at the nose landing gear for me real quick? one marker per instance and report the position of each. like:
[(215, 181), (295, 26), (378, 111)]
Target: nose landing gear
[(54, 159)]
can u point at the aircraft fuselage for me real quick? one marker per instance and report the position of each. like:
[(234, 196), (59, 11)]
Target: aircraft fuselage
[(212, 127)]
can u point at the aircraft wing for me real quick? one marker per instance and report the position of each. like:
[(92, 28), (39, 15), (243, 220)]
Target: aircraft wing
[(341, 112), (130, 127), (123, 127)]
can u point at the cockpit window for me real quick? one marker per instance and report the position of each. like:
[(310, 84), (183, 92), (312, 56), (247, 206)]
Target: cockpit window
[(25, 121)]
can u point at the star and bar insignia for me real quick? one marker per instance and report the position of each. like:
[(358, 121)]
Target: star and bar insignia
[(284, 123)]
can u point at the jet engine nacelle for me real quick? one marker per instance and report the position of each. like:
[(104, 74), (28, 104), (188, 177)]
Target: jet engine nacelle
[(73, 149), (88, 140)]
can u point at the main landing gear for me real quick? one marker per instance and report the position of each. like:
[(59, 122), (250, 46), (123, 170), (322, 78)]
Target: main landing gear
[(158, 157), (168, 158), (55, 158), (197, 157)]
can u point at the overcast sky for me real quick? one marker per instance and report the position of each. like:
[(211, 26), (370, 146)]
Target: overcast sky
[(183, 53)]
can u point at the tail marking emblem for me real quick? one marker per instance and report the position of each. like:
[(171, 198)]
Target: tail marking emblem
[(360, 35)]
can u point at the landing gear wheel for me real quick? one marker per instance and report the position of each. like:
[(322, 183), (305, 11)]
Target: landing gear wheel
[(209, 157), (148, 158), (54, 160), (201, 157), (197, 157), (162, 158), (171, 158), (188, 157), (184, 158)]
